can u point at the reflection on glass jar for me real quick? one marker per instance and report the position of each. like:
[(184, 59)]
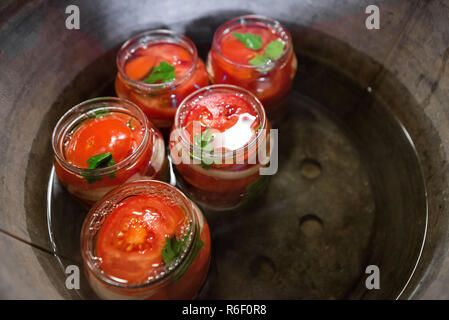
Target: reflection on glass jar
[(157, 70), (146, 240), (104, 142)]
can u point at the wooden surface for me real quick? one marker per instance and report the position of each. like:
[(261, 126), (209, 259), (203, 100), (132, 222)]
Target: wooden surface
[(412, 44)]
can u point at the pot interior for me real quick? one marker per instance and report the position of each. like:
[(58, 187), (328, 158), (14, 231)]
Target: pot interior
[(349, 191)]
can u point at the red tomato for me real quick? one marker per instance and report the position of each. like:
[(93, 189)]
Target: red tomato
[(139, 67), (218, 111), (144, 60), (131, 240), (109, 133)]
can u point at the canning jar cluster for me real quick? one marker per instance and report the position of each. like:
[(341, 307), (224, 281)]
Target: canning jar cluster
[(144, 238)]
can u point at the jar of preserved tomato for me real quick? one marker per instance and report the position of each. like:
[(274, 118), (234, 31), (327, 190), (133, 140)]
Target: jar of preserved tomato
[(145, 240), (157, 70), (256, 53), (220, 143), (104, 142)]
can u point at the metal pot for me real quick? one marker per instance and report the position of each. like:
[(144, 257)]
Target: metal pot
[(363, 151)]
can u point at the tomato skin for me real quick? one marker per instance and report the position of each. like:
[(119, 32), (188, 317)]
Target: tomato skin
[(151, 163), (160, 104), (109, 133), (131, 240), (227, 67), (218, 112)]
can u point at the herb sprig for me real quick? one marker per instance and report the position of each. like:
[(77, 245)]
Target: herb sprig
[(273, 50), (173, 250), (97, 114), (250, 40), (164, 72), (203, 141), (129, 125), (101, 160)]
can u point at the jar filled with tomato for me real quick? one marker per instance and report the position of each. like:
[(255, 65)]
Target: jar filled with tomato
[(256, 53), (102, 143), (219, 143), (146, 240), (157, 70)]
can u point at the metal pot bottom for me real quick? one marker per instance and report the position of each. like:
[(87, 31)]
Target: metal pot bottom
[(348, 194)]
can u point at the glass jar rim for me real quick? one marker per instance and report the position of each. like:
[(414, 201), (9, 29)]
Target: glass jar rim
[(282, 31), (155, 33), (259, 108), (121, 193), (65, 125)]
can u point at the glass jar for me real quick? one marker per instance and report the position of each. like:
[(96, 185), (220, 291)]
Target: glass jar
[(269, 77), (114, 129), (159, 97), (113, 268), (219, 167)]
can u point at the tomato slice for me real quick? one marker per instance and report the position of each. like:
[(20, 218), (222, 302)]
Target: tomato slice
[(228, 113), (237, 52), (114, 132), (166, 51), (144, 59), (131, 239), (139, 67)]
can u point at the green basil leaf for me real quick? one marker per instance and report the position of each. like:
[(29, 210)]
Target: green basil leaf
[(173, 247), (163, 72), (169, 254), (110, 163), (101, 160), (204, 142), (274, 49), (99, 113), (198, 244), (129, 125), (251, 41), (259, 60), (207, 137)]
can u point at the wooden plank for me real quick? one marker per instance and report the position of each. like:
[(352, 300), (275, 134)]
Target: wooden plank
[(29, 273)]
